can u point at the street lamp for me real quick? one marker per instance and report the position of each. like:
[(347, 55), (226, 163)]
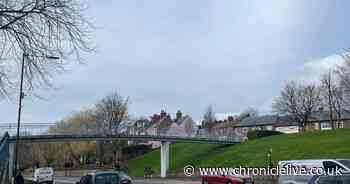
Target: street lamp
[(21, 96)]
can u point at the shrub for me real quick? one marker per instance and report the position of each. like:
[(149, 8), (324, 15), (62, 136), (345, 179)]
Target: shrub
[(256, 134), (136, 150)]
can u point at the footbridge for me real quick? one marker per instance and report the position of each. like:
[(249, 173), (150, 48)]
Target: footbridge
[(164, 139)]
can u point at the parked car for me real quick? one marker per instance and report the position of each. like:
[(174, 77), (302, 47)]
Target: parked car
[(326, 164), (105, 177), (343, 179), (43, 175), (227, 180)]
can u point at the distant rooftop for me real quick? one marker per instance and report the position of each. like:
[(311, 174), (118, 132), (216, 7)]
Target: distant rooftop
[(223, 116)]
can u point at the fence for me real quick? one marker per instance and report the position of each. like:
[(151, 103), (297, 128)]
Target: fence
[(4, 159)]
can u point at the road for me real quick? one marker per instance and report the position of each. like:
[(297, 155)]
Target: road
[(73, 180)]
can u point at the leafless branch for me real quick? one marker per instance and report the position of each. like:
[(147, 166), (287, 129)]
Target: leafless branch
[(41, 28), (298, 100)]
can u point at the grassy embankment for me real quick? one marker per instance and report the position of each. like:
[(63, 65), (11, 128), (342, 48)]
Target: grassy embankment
[(312, 145)]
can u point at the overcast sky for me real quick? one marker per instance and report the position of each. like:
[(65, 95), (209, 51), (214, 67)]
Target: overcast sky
[(181, 54)]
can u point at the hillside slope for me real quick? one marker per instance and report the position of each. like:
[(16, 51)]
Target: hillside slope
[(316, 145)]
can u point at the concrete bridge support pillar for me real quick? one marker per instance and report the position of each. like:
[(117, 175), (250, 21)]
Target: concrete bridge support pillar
[(164, 158)]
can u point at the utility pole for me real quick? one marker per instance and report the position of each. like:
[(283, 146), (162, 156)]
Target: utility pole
[(21, 96)]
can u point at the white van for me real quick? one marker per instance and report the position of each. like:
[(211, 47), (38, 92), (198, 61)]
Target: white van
[(43, 175), (325, 165)]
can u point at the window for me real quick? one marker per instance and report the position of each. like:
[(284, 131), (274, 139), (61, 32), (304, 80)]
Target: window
[(106, 179), (326, 126), (346, 163), (86, 180), (330, 166), (341, 124)]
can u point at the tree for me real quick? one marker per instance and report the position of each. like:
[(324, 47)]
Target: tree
[(298, 100), (110, 112), (339, 103), (209, 118), (328, 87), (48, 153), (343, 72), (83, 122), (37, 29)]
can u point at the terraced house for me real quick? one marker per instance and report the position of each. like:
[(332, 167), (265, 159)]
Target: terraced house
[(319, 120), (182, 126)]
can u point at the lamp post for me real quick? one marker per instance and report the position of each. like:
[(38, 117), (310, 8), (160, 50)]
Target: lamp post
[(21, 96)]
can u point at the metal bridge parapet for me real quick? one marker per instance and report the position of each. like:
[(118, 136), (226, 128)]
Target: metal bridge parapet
[(128, 137)]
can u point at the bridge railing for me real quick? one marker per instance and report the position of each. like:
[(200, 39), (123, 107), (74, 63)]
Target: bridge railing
[(124, 136), (4, 159), (43, 129)]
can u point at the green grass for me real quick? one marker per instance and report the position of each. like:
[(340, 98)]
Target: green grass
[(317, 145)]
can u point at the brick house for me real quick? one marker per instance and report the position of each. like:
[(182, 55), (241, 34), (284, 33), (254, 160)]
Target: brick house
[(221, 129), (182, 126)]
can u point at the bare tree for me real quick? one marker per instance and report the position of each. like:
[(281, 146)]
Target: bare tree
[(111, 111), (343, 72), (339, 102), (209, 118), (37, 29), (328, 87), (299, 101)]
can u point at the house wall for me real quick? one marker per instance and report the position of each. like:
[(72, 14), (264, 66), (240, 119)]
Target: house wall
[(219, 132), (288, 129), (265, 127), (315, 126), (309, 127), (241, 132), (152, 131), (347, 124)]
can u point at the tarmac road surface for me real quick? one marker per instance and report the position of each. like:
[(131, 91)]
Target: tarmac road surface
[(73, 180)]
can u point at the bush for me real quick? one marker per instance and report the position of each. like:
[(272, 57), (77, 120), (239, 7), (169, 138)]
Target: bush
[(133, 151), (256, 134)]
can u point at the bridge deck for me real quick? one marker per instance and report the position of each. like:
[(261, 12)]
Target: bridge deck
[(77, 138)]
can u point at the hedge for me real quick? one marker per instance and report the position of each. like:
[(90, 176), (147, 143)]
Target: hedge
[(256, 134)]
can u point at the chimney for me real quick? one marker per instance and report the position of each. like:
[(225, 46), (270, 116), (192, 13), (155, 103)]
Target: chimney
[(162, 114), (178, 115)]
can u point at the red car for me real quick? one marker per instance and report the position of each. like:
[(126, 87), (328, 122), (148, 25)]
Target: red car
[(227, 180)]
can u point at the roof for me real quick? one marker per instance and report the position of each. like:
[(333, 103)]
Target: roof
[(325, 116), (225, 125), (287, 120), (164, 123), (258, 121), (182, 119), (224, 116)]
